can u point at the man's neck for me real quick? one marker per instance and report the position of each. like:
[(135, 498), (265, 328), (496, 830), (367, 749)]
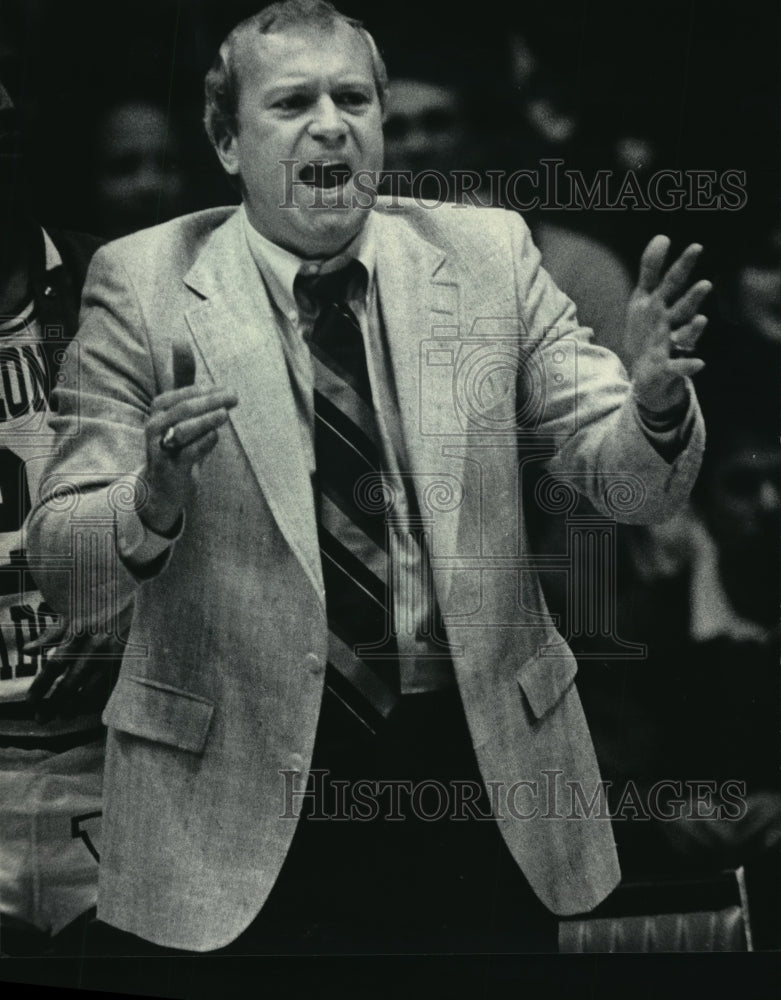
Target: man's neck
[(305, 254)]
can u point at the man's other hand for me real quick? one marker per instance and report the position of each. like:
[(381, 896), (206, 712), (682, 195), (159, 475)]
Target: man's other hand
[(663, 320), (180, 432)]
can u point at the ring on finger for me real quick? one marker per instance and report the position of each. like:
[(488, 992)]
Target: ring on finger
[(168, 441)]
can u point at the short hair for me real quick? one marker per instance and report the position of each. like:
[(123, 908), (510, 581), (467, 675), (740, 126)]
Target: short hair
[(221, 85)]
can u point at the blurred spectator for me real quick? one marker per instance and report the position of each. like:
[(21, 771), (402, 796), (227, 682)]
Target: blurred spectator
[(424, 128), (758, 289), (135, 174)]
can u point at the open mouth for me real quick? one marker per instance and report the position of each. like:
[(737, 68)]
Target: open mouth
[(325, 175)]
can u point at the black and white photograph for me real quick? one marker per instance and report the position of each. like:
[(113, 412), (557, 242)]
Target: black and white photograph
[(390, 498)]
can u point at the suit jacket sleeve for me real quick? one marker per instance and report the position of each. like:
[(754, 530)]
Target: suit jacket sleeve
[(586, 405), (106, 385)]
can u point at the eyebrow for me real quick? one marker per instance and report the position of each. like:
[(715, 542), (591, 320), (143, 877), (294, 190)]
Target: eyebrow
[(306, 83)]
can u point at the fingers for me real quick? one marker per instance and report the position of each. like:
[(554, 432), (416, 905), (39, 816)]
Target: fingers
[(685, 367), (673, 281), (198, 449), (179, 431), (71, 682), (49, 673), (685, 338), (68, 647), (689, 304), (67, 697), (181, 404), (58, 661), (651, 263), (664, 313), (51, 636), (188, 432), (85, 688), (172, 396), (77, 678), (190, 416), (677, 275)]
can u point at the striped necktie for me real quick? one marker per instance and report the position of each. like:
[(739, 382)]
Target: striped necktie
[(363, 670)]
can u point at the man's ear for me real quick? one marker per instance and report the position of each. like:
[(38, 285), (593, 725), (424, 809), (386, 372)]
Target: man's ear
[(227, 152)]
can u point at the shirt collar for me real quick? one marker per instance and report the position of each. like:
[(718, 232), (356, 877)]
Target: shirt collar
[(280, 267)]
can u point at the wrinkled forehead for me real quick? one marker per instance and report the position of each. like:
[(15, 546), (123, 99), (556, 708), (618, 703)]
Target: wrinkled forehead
[(299, 52)]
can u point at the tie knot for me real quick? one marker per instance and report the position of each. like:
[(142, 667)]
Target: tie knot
[(321, 290)]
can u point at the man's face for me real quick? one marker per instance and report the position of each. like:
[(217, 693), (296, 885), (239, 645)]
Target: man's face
[(310, 99)]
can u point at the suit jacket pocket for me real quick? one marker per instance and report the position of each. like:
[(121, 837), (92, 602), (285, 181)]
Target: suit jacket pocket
[(159, 712), (545, 679)]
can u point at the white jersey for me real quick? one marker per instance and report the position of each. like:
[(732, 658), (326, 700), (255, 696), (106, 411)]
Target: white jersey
[(25, 438), (25, 442)]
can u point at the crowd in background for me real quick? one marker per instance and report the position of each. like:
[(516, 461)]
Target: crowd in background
[(113, 127)]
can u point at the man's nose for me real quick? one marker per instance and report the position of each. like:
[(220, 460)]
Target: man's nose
[(327, 121)]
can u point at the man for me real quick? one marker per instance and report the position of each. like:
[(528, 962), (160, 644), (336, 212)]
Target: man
[(50, 766), (247, 531)]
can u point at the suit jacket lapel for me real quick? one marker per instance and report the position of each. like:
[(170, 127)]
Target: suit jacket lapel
[(236, 332), (419, 299)]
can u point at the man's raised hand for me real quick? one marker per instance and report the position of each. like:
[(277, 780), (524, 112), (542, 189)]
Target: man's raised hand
[(663, 321)]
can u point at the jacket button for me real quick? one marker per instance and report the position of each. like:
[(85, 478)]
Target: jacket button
[(49, 292), (296, 762)]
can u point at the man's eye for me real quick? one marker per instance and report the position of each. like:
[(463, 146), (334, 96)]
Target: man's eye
[(296, 102), (352, 99)]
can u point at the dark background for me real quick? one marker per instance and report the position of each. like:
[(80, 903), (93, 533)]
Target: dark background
[(701, 80)]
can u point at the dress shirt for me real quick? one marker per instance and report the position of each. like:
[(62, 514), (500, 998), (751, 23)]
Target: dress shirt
[(423, 666)]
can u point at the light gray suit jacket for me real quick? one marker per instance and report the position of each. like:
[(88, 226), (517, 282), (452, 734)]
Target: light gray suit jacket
[(221, 685)]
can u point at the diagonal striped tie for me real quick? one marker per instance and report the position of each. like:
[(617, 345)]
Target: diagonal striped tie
[(363, 667)]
